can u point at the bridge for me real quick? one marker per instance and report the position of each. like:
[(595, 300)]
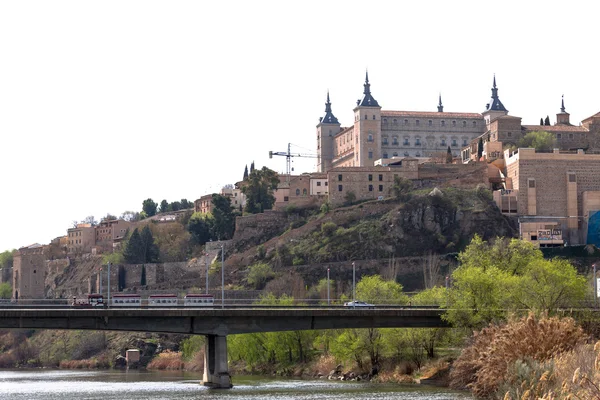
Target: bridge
[(217, 323)]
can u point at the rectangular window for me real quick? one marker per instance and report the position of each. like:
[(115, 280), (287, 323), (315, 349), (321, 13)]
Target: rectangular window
[(326, 183), (381, 188), (454, 142), (286, 198), (370, 188), (370, 154), (318, 183), (559, 136), (370, 177), (532, 183), (339, 178), (418, 142), (572, 178), (380, 177), (340, 188)]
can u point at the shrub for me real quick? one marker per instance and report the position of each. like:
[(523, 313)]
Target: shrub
[(261, 252), (259, 274), (325, 207), (167, 360), (486, 363), (328, 228)]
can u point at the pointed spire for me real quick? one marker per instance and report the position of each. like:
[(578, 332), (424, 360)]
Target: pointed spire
[(367, 100), (440, 106), (562, 107), (329, 118), (495, 104)]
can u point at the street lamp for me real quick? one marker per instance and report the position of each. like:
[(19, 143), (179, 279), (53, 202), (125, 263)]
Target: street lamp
[(206, 260), (354, 284), (328, 303), (222, 276)]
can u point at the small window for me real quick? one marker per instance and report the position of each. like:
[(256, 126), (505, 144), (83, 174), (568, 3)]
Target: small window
[(533, 237), (464, 124), (385, 140), (406, 143), (380, 177), (572, 178), (370, 138), (405, 122), (339, 178), (370, 188), (430, 122), (453, 123), (570, 136), (464, 142), (340, 187), (395, 141), (395, 154), (417, 142), (474, 124), (509, 134), (304, 192), (559, 136), (443, 142), (395, 122), (385, 155), (370, 177), (318, 183), (454, 142), (443, 123), (385, 121), (417, 122), (326, 183), (286, 198), (370, 155), (366, 116), (381, 188), (297, 192), (373, 116), (532, 183)]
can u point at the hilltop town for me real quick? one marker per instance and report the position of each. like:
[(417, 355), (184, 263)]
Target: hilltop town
[(543, 180)]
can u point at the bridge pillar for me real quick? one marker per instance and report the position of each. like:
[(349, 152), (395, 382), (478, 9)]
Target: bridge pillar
[(216, 370)]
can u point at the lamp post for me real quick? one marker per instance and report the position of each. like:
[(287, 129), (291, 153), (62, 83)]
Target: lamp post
[(328, 302), (354, 284), (222, 276), (595, 286), (100, 283), (108, 287), (206, 260)]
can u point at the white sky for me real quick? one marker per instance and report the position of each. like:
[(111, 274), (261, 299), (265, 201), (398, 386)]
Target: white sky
[(106, 103)]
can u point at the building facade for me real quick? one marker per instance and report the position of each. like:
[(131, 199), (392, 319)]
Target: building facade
[(378, 133), (29, 272)]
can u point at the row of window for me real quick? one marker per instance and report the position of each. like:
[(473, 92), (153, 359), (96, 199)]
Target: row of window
[(429, 123), (371, 188), (406, 142), (369, 177)]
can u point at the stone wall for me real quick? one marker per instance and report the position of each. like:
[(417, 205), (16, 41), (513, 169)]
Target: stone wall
[(466, 176)]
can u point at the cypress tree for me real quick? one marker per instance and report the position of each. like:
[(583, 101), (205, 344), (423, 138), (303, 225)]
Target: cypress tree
[(149, 248), (449, 156), (479, 149), (246, 172), (547, 120), (541, 121), (134, 251)]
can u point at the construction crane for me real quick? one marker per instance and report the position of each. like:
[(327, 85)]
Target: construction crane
[(288, 159)]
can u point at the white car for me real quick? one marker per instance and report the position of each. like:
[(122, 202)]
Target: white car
[(358, 303)]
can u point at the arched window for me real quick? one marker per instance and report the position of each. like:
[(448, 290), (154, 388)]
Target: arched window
[(304, 192), (366, 116), (297, 192)]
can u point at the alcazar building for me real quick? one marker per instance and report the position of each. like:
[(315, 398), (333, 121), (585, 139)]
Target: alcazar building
[(387, 135)]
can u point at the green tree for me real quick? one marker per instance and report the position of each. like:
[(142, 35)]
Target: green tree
[(402, 188), (349, 198), (149, 206), (259, 274), (164, 206), (5, 290), (132, 216), (223, 217), (6, 259), (245, 173), (547, 121), (200, 226), (479, 149), (134, 252), (259, 189), (185, 204), (539, 140), (373, 289), (149, 248), (449, 156)]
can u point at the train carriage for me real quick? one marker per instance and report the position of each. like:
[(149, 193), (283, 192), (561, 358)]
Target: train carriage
[(126, 300), (162, 300), (198, 300)]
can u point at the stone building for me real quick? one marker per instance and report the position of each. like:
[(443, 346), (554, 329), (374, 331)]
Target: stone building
[(81, 239), (29, 272), (110, 233), (378, 133), (557, 191)]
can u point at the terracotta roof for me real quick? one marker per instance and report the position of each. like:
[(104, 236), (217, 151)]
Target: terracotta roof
[(597, 115), (555, 128), (429, 114)]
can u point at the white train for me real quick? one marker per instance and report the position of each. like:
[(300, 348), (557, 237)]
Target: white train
[(153, 300)]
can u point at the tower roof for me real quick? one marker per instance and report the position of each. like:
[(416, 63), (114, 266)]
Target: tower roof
[(440, 106), (367, 100), (562, 104), (495, 104), (329, 118)]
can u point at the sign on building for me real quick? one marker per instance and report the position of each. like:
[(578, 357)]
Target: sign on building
[(549, 234)]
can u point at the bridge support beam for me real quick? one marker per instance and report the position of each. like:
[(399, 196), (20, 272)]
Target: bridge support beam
[(216, 370)]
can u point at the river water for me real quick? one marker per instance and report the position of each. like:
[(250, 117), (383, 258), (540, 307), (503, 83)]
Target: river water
[(134, 385)]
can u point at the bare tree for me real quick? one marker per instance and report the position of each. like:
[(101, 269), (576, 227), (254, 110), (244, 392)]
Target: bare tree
[(431, 270)]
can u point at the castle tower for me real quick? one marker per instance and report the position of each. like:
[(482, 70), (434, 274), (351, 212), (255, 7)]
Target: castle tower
[(494, 108), (440, 106), (562, 118), (367, 128), (326, 130)]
